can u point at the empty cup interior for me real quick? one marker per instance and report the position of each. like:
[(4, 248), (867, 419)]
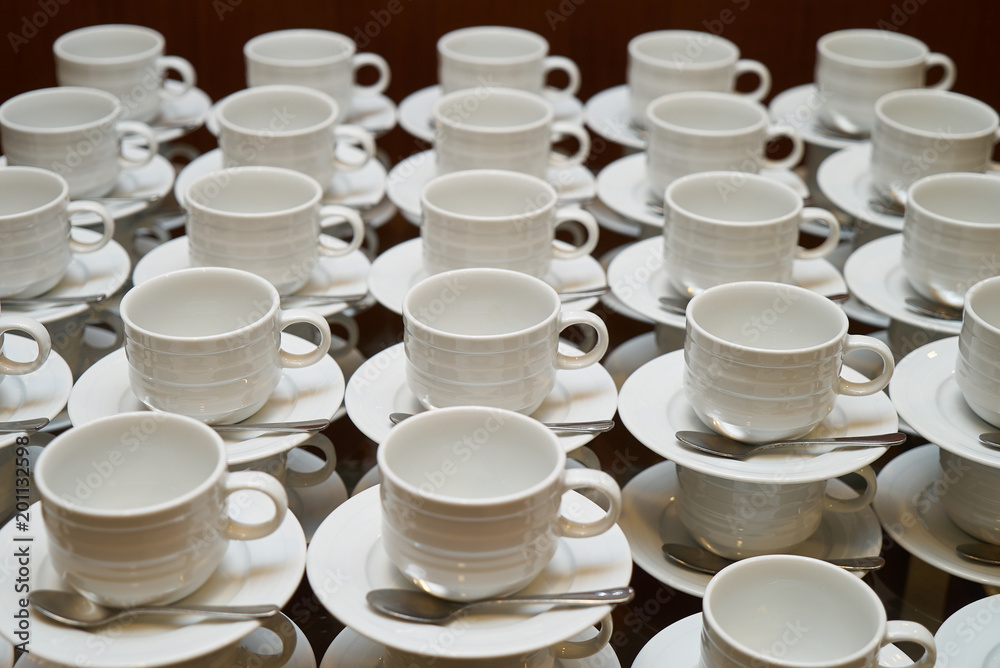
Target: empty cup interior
[(718, 198), (960, 198), (265, 110), (254, 191), (495, 109), (707, 112), (59, 109), (488, 194), (875, 46), (468, 455), (301, 47), (25, 190), (940, 114), (983, 300), (682, 48), (494, 44), (109, 42)]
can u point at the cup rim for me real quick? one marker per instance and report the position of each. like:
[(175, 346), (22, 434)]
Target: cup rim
[(280, 89), (823, 47), (441, 414), (729, 98), (693, 324), (491, 174), (410, 321), (60, 50), (62, 197), (114, 115), (445, 51), (718, 175), (499, 91), (636, 42), (67, 441), (255, 42), (793, 561), (970, 310), (917, 207), (276, 172), (917, 93), (238, 274)]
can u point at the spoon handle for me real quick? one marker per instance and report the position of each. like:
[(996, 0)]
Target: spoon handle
[(234, 611), (579, 598), (859, 563), (573, 295), (595, 427), (876, 441), (23, 425), (302, 425), (303, 301), (33, 301)]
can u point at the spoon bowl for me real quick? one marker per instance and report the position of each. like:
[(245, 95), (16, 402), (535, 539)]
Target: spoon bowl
[(983, 553), (933, 309)]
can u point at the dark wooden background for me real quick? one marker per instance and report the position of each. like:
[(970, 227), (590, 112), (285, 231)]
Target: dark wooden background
[(781, 33)]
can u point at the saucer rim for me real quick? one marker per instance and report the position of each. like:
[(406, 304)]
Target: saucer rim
[(610, 97), (841, 169), (792, 97)]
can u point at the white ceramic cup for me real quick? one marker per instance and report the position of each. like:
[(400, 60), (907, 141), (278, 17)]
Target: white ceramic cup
[(205, 342), (135, 506), (265, 220), (573, 650), (854, 68), (951, 235), (288, 126), (494, 218), (706, 132), (36, 242), (737, 519), (977, 367), (499, 56), (470, 500), (489, 337), (784, 611), (76, 133), (970, 494), (723, 227), (922, 132), (124, 60), (674, 61), (501, 128), (763, 360), (320, 59)]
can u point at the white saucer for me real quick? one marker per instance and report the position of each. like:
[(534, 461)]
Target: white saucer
[(914, 518), (650, 519), (613, 222), (351, 650), (798, 107), (866, 315), (332, 276), (180, 115), (967, 643), (375, 113), (638, 278), (102, 272), (846, 180), (401, 267), (623, 188), (407, 179), (342, 572), (926, 394), (623, 361), (312, 505), (875, 276), (679, 646), (653, 408), (309, 393), (380, 214), (40, 394), (416, 112), (379, 388), (609, 114), (139, 187), (361, 189), (267, 570)]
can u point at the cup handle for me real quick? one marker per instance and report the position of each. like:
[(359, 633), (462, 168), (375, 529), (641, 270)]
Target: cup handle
[(280, 626), (182, 67), (798, 147), (112, 322), (265, 483), (744, 66), (862, 500), (341, 214), (947, 64), (603, 483), (384, 74), (107, 221), (991, 164), (832, 237), (581, 649), (589, 224), (901, 631), (581, 136), (355, 135), (144, 131), (35, 330), (350, 326), (312, 478), (855, 389), (552, 63), (297, 361), (564, 361)]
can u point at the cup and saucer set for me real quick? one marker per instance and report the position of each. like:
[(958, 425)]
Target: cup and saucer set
[(498, 515), (756, 355)]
